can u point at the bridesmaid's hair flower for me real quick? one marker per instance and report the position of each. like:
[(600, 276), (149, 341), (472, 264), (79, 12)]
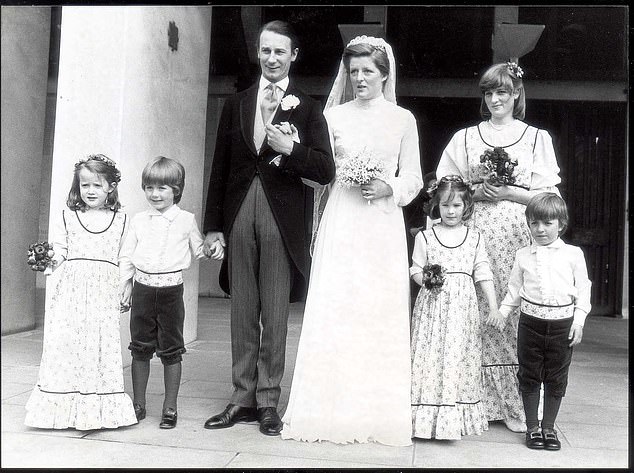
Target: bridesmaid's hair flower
[(515, 69)]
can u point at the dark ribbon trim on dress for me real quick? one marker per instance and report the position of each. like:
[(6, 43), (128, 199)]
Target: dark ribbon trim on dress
[(79, 392), (546, 305), (166, 272), (458, 272), (114, 214), (446, 405), (513, 185), (466, 235), (91, 259)]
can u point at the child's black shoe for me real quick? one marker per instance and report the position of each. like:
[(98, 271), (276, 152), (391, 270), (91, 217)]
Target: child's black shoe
[(139, 412), (551, 442), (534, 439), (168, 421)]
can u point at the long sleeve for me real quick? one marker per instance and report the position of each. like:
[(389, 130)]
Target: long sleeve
[(545, 172), (583, 285), (59, 237), (312, 157), (126, 267), (453, 160), (214, 209), (481, 267), (409, 181), (419, 254), (512, 297), (196, 240)]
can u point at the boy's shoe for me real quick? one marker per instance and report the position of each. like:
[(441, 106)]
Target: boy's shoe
[(535, 439), (551, 442), (139, 412), (168, 421)]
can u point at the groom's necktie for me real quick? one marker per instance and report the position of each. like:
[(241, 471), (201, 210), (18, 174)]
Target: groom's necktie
[(269, 102)]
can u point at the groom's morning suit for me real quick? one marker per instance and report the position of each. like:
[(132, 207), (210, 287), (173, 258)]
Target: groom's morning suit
[(257, 201)]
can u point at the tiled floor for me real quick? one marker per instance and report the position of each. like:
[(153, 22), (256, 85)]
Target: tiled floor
[(593, 420)]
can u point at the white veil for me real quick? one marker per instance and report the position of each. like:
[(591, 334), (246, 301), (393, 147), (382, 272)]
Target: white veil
[(341, 92)]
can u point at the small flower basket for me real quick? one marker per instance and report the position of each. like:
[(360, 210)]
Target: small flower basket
[(40, 256), (498, 166), (433, 277)]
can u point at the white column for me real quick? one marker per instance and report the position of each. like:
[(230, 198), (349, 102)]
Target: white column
[(25, 48), (123, 91)]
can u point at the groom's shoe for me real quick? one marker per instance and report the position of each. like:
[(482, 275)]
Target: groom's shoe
[(230, 416), (270, 422)]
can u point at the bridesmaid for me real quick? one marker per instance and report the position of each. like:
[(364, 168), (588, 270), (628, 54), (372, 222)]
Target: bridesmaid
[(499, 216)]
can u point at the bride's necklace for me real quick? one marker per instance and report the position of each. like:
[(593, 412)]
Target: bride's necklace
[(504, 126)]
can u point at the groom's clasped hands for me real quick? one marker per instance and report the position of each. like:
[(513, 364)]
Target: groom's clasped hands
[(281, 136)]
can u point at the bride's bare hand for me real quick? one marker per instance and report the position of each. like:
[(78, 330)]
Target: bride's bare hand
[(375, 189)]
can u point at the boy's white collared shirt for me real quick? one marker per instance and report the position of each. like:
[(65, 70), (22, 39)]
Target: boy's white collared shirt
[(554, 274), (160, 242)]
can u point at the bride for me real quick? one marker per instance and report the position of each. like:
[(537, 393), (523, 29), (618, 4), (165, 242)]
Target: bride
[(352, 374)]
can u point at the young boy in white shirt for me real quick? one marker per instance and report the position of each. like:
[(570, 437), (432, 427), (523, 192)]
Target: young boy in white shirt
[(157, 248), (549, 282)]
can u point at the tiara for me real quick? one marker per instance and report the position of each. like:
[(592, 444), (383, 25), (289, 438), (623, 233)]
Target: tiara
[(515, 69), (104, 159), (378, 43)]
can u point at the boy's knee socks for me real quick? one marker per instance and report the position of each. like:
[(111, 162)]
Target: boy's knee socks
[(531, 404), (551, 409)]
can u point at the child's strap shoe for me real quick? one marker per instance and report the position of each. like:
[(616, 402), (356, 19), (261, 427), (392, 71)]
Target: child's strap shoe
[(168, 421), (534, 439), (139, 412), (551, 442)]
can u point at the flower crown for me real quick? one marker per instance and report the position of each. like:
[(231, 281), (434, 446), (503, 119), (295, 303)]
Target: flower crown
[(378, 43), (515, 69), (104, 159), (433, 186)]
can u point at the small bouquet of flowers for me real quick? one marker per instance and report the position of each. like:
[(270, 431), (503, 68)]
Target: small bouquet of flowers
[(360, 169), (433, 276), (498, 166), (40, 256)]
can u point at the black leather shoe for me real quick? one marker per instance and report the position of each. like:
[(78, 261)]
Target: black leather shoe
[(535, 439), (139, 412), (270, 422), (230, 416), (551, 442), (168, 421)]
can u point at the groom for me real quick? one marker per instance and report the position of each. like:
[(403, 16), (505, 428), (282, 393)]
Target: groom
[(269, 137)]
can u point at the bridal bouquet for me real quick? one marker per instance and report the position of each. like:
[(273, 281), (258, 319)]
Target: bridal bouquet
[(40, 256), (360, 169), (498, 166), (433, 276)]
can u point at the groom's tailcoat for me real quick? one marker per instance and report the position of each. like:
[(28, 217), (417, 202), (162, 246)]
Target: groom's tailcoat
[(236, 162)]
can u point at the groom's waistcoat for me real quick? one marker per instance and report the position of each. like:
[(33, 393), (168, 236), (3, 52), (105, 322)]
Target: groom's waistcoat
[(236, 162)]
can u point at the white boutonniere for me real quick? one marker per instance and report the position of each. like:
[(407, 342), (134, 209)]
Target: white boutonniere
[(289, 102)]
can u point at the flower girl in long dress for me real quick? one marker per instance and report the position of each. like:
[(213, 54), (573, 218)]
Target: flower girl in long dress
[(80, 383), (447, 260)]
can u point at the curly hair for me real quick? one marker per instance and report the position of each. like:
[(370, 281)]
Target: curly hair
[(103, 167)]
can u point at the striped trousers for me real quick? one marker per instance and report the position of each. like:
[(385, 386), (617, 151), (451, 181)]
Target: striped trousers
[(260, 273)]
